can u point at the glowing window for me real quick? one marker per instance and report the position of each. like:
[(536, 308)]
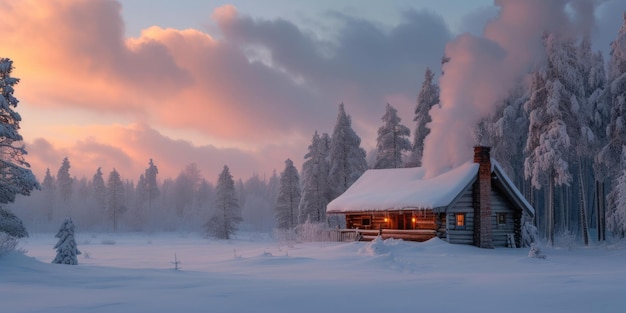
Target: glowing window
[(460, 220)]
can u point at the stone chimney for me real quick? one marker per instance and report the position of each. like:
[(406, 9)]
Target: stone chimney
[(482, 198)]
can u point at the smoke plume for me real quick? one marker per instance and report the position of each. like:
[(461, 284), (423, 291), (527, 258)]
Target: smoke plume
[(482, 69)]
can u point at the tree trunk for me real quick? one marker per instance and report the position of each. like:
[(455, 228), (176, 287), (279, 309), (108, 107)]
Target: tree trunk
[(583, 201), (550, 212), (600, 211)]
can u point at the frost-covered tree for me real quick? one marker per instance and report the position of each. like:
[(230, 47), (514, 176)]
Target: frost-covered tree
[(16, 178), (392, 140), (48, 186), (616, 96), (286, 210), (555, 131), (508, 133), (11, 224), (185, 188), (115, 198), (223, 224), (150, 184), (346, 157), (67, 251), (426, 99), (316, 193), (610, 155), (99, 190), (64, 180)]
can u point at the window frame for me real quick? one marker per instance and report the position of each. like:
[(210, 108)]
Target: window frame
[(460, 220), (501, 216)]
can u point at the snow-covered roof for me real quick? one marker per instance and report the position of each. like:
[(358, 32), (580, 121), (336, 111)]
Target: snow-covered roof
[(403, 188), (408, 189)]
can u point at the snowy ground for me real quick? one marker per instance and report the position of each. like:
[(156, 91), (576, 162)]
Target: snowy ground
[(133, 273)]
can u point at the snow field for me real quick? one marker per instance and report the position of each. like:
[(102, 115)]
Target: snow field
[(133, 273)]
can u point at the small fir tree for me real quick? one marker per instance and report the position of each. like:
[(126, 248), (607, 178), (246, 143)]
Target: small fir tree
[(67, 252)]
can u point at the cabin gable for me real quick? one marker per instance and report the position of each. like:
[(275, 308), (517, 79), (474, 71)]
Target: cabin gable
[(505, 218)]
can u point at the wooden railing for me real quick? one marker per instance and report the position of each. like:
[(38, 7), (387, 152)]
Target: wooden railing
[(370, 234)]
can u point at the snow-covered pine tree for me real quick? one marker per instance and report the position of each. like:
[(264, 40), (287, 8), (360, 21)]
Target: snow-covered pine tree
[(115, 198), (11, 224), (227, 215), (15, 174), (508, 134), (48, 186), (286, 210), (67, 251), (151, 186), (64, 180), (99, 190), (315, 190), (593, 117), (392, 140), (426, 99), (346, 157), (616, 96), (610, 155), (554, 128)]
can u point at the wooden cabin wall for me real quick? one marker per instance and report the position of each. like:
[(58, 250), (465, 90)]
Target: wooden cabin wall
[(464, 235), (499, 232), (424, 219), (461, 235)]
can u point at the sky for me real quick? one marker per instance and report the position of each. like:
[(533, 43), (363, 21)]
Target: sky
[(112, 84)]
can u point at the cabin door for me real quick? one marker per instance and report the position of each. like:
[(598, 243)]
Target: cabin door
[(401, 221)]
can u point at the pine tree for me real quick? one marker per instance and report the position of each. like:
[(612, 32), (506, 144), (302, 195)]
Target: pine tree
[(554, 127), (64, 180), (315, 190), (286, 210), (426, 99), (392, 140), (67, 251), (48, 186), (224, 222), (509, 133), (616, 96), (346, 157), (99, 190), (115, 197), (11, 224), (150, 185), (15, 174), (611, 153)]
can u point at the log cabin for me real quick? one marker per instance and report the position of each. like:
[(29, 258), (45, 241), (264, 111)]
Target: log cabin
[(475, 203)]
